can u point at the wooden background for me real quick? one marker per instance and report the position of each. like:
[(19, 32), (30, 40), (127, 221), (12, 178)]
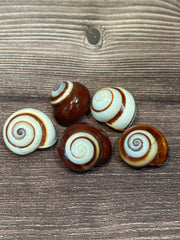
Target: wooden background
[(134, 44)]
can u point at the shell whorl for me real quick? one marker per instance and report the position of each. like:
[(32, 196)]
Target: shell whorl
[(114, 106), (28, 129), (142, 145), (61, 92), (82, 148), (105, 103)]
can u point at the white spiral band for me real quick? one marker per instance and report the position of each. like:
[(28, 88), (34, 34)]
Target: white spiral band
[(81, 148), (62, 90)]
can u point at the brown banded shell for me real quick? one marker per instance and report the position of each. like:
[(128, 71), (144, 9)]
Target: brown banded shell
[(70, 101), (142, 145), (83, 146), (114, 106), (28, 129)]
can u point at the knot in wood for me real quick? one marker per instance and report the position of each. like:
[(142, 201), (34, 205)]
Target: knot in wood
[(93, 35)]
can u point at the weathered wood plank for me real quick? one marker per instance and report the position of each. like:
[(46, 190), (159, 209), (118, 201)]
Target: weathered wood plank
[(44, 42)]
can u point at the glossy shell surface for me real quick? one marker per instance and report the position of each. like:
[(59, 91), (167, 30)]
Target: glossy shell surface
[(83, 146), (28, 129), (71, 101), (142, 145), (114, 106)]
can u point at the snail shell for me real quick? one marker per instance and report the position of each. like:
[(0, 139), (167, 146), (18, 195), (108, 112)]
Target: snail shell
[(83, 146), (114, 106), (70, 101), (28, 129), (142, 145)]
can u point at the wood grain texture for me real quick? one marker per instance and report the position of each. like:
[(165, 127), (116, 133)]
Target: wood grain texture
[(43, 42)]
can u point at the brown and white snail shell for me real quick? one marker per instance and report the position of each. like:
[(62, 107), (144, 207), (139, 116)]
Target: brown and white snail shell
[(28, 129), (83, 146), (70, 101), (114, 106), (142, 145)]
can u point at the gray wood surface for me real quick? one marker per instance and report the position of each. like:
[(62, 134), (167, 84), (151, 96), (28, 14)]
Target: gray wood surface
[(43, 42)]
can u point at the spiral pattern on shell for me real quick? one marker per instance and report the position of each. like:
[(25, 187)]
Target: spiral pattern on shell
[(83, 146), (142, 145), (70, 101), (114, 106), (28, 129), (61, 92)]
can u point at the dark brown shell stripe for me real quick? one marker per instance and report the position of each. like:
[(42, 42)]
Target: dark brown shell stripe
[(44, 129), (59, 95), (114, 119), (104, 109), (17, 139), (130, 123), (140, 159)]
